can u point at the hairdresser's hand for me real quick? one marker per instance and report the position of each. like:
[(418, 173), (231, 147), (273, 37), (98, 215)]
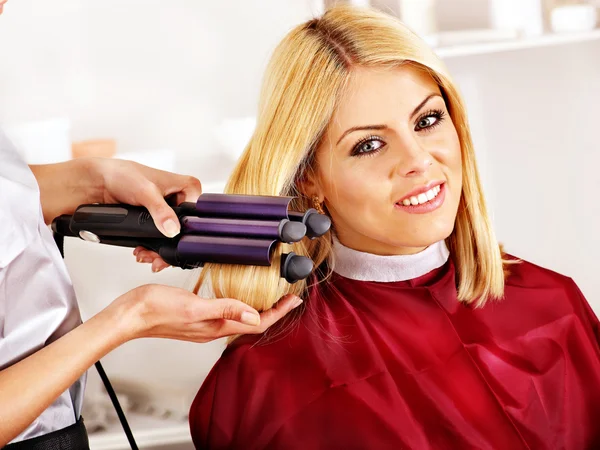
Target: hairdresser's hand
[(168, 312), (135, 184), (65, 186), (144, 255)]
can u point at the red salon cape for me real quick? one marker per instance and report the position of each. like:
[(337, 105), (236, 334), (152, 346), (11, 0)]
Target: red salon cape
[(404, 365)]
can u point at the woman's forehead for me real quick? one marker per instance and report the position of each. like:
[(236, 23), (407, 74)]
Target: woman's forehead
[(374, 93)]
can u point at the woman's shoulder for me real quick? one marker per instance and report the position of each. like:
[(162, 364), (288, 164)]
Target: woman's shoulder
[(525, 274), (281, 348), (542, 294)]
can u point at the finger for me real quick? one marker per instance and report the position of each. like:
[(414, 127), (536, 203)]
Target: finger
[(283, 307), (184, 187), (165, 219), (190, 190), (146, 256), (158, 265), (144, 252), (268, 318), (228, 309)]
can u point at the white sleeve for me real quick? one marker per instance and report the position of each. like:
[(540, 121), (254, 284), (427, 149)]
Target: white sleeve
[(19, 203), (37, 300)]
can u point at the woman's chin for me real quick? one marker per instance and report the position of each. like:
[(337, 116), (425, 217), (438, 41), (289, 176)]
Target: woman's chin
[(421, 241)]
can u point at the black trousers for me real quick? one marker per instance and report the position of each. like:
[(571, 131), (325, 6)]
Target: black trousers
[(73, 437)]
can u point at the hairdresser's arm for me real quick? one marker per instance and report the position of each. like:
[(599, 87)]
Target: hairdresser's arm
[(30, 386), (65, 186)]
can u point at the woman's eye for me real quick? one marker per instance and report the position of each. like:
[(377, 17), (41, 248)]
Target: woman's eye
[(369, 146), (427, 122), (430, 120)]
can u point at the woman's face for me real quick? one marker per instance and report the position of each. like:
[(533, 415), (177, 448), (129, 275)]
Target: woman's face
[(389, 166)]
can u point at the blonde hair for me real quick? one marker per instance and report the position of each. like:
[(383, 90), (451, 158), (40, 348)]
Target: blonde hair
[(307, 72)]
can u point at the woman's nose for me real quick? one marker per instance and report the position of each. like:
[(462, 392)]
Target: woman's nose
[(413, 159)]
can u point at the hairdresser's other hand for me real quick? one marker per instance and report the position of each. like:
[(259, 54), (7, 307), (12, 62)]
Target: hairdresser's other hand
[(143, 255), (169, 312)]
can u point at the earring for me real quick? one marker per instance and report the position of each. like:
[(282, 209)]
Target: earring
[(317, 205)]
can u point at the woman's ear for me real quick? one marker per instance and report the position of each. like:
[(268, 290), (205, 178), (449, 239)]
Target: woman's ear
[(308, 185)]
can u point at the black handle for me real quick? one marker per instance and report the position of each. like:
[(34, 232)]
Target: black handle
[(114, 220)]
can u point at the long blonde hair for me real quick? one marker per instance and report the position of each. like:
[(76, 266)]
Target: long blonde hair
[(306, 75)]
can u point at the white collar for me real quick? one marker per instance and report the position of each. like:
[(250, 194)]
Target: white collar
[(362, 266)]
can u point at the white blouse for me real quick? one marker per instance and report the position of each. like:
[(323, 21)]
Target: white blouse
[(37, 300)]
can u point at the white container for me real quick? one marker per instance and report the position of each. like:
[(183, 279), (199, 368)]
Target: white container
[(42, 142), (363, 3), (316, 8), (524, 16), (419, 16), (320, 6), (573, 18)]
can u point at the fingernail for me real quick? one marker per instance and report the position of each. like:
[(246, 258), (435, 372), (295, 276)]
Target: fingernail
[(139, 260), (297, 303), (155, 269), (171, 228), (250, 319)]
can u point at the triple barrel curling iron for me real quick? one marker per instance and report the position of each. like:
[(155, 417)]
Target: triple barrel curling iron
[(218, 228)]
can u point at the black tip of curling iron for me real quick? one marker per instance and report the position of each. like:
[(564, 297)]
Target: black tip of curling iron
[(317, 225), (293, 231), (295, 267)]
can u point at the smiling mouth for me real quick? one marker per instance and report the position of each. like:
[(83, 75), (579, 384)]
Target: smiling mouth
[(422, 198)]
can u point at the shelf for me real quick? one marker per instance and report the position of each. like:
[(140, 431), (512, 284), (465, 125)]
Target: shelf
[(547, 40), (147, 431)]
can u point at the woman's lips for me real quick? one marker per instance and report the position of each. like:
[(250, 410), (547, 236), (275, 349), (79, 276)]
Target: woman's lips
[(428, 206)]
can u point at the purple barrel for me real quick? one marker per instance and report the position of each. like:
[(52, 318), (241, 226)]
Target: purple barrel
[(259, 207), (225, 250), (208, 226)]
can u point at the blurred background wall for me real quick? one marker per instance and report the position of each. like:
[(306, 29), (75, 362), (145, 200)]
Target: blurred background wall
[(169, 81)]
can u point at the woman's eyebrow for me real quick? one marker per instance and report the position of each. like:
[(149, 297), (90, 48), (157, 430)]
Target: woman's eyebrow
[(383, 127), (418, 108), (360, 128)]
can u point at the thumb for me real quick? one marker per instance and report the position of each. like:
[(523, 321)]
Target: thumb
[(231, 309), (163, 215)]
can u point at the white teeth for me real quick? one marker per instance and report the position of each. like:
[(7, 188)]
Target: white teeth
[(422, 198)]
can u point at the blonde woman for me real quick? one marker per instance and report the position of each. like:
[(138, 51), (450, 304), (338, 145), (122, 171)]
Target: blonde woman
[(416, 331)]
